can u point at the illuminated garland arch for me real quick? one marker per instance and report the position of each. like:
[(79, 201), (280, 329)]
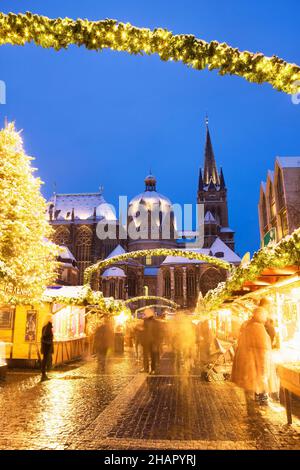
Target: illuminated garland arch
[(285, 253), (154, 306), (151, 297), (60, 33), (154, 252)]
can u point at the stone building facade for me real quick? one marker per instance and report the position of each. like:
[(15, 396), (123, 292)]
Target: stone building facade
[(76, 218), (279, 200)]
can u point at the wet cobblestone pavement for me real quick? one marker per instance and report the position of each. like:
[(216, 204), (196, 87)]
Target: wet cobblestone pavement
[(35, 415), (81, 408)]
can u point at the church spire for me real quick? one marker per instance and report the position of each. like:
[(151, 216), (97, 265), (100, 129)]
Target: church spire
[(222, 180), (200, 181), (210, 167)]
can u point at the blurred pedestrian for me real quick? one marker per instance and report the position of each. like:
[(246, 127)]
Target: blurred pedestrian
[(269, 324), (253, 369), (206, 340), (46, 346), (183, 342), (151, 342), (138, 335), (104, 341)]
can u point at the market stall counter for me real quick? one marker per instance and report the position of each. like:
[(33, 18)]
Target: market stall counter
[(289, 375)]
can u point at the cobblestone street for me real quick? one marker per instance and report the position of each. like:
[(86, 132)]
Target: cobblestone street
[(82, 408)]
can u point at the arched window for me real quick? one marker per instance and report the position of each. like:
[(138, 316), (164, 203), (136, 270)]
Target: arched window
[(111, 288), (167, 285), (131, 287), (264, 212), (83, 249), (178, 284), (272, 202), (191, 284), (120, 294), (62, 236), (280, 191), (210, 279)]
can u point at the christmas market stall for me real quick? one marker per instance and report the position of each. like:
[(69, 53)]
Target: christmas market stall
[(77, 310), (273, 275)]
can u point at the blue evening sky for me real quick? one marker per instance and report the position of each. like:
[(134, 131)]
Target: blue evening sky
[(94, 119)]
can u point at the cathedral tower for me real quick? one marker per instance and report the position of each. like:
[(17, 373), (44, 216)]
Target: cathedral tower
[(212, 192)]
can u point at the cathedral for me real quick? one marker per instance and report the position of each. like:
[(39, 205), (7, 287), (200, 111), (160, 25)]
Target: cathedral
[(75, 218)]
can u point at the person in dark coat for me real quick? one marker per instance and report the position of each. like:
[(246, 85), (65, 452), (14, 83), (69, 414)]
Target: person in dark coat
[(104, 341), (151, 342), (46, 346)]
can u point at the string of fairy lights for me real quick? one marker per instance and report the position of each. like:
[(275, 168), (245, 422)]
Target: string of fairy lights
[(60, 33), (151, 297), (284, 253), (153, 252)]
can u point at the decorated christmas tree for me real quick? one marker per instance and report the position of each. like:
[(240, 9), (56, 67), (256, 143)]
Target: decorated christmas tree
[(27, 258)]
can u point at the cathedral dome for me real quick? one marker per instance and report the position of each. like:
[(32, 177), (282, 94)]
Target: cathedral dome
[(150, 198)]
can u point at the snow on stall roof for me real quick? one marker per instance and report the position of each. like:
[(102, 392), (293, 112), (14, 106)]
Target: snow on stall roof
[(68, 292), (64, 291), (83, 204), (113, 272), (289, 162)]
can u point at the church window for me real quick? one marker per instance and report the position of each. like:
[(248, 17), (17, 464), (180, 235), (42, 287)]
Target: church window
[(167, 286), (280, 191), (112, 288), (191, 284), (264, 212), (210, 279), (131, 287), (178, 285), (272, 202), (83, 249), (62, 236), (120, 290)]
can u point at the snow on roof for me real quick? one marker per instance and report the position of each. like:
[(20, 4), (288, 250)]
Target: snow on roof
[(69, 292), (219, 246), (119, 250), (65, 253), (288, 162), (263, 186), (151, 198), (182, 260), (271, 175), (226, 229), (113, 272), (83, 204)]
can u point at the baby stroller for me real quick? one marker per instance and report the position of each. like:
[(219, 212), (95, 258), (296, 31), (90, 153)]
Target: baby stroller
[(217, 365)]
